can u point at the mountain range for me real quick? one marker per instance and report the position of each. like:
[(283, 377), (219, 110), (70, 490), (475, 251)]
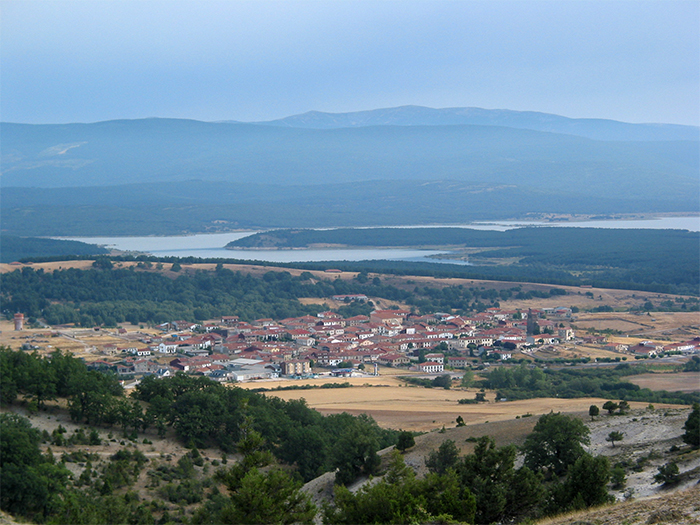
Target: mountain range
[(598, 129), (403, 160)]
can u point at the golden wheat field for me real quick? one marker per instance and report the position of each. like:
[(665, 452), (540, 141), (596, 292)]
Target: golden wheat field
[(422, 409)]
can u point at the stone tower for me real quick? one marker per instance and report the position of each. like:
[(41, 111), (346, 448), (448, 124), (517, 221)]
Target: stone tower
[(531, 322)]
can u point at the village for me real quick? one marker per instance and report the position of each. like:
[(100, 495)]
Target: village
[(231, 350)]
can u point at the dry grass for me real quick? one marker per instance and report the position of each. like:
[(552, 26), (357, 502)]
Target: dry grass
[(663, 325), (48, 266), (423, 409), (677, 508), (681, 382)]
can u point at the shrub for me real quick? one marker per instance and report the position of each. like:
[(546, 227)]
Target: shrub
[(668, 474)]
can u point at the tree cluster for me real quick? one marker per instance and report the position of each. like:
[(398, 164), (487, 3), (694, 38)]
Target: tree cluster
[(91, 394), (523, 382), (200, 411), (485, 486), (207, 413)]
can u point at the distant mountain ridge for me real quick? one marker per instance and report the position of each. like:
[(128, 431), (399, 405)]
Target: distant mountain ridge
[(172, 150), (598, 129), (407, 165)]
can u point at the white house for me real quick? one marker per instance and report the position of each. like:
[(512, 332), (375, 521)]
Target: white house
[(430, 367)]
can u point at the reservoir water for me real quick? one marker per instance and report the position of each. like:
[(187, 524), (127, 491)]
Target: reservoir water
[(211, 245)]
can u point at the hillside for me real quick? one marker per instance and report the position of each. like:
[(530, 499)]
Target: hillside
[(677, 508), (13, 248), (214, 206), (649, 436), (385, 167), (555, 255), (169, 150)]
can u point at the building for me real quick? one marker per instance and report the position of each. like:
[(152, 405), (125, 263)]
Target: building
[(438, 358), (19, 322), (430, 367), (393, 359), (458, 362), (296, 367)]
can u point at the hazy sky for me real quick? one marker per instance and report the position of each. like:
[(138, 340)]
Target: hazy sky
[(92, 60)]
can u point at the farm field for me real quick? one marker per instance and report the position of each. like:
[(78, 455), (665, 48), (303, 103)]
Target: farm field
[(423, 409), (682, 382), (659, 324)]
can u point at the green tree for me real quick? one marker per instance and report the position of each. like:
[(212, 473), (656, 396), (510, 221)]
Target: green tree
[(555, 443), (615, 436), (405, 441), (610, 406), (400, 498), (693, 365), (356, 453), (618, 477), (586, 483), (467, 378), (31, 485), (444, 458), (668, 474), (441, 347), (443, 381), (258, 497), (593, 411), (103, 263), (502, 492), (196, 416), (39, 381), (268, 497), (623, 406), (692, 427)]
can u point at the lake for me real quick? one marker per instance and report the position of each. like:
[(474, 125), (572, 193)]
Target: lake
[(211, 245), (662, 223)]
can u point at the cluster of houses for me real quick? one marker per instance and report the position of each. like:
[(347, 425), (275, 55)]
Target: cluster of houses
[(651, 349), (235, 350)]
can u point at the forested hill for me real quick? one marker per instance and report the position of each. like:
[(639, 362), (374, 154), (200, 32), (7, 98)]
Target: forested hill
[(14, 248), (171, 176), (532, 239), (210, 206), (122, 479), (658, 260), (171, 150)]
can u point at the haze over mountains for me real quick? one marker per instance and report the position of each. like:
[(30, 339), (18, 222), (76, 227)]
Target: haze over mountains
[(599, 129), (407, 160)]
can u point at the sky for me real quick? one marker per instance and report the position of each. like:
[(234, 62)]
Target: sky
[(94, 60)]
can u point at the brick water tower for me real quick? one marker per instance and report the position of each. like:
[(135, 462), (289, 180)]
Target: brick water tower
[(19, 322)]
